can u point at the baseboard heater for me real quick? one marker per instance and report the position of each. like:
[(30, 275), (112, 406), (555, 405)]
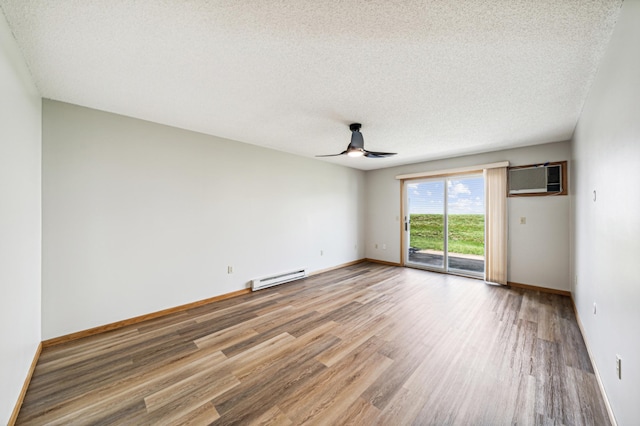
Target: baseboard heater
[(272, 280)]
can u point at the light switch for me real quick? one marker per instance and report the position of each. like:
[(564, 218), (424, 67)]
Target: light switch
[(523, 220)]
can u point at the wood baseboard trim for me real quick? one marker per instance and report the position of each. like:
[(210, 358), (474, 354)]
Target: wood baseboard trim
[(344, 265), (25, 386), (382, 262), (541, 289), (119, 324), (612, 418)]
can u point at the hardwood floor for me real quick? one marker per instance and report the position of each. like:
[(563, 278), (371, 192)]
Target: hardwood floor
[(362, 345)]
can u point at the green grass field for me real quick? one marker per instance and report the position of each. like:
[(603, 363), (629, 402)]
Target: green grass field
[(466, 232)]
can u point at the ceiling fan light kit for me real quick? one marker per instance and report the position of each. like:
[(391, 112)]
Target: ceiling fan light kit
[(356, 146)]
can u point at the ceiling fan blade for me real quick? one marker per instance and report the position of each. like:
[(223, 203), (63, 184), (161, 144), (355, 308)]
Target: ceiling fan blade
[(332, 155), (356, 146), (374, 154)]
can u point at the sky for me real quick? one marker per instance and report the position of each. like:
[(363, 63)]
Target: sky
[(465, 196)]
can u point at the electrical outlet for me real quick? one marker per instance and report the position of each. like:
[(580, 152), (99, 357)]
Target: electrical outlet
[(321, 252), (384, 247), (229, 269), (619, 367), (376, 245)]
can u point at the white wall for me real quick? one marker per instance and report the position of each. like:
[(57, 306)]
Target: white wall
[(140, 217), (606, 151), (20, 125), (538, 251)]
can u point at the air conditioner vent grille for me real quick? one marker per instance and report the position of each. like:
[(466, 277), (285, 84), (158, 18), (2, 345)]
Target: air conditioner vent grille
[(536, 180)]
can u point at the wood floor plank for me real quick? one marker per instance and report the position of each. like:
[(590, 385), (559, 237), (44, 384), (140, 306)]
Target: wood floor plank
[(402, 409), (347, 345), (245, 306), (249, 403), (182, 399), (133, 387), (272, 417), (290, 327), (360, 412), (86, 346), (390, 381), (84, 379), (201, 416), (225, 338), (255, 361), (260, 392), (212, 381), (362, 345), (287, 314), (337, 388), (586, 407), (334, 406)]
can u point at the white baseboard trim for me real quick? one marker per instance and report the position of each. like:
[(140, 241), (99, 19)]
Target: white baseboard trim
[(612, 417)]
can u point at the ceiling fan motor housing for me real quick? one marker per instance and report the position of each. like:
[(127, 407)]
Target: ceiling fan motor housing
[(356, 146)]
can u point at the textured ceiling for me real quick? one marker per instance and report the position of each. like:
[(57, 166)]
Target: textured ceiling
[(428, 79)]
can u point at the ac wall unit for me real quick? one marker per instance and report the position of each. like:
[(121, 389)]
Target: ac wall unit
[(271, 280), (536, 179)]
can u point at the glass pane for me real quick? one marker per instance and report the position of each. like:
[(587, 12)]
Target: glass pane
[(465, 208), (426, 225)]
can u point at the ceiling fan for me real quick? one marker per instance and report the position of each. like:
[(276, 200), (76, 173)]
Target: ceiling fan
[(356, 147)]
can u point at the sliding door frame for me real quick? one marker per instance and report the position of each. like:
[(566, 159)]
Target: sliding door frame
[(405, 222)]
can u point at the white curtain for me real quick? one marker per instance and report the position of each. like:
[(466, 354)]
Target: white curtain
[(496, 225)]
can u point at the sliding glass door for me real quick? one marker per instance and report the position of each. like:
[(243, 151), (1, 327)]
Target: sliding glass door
[(444, 224)]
